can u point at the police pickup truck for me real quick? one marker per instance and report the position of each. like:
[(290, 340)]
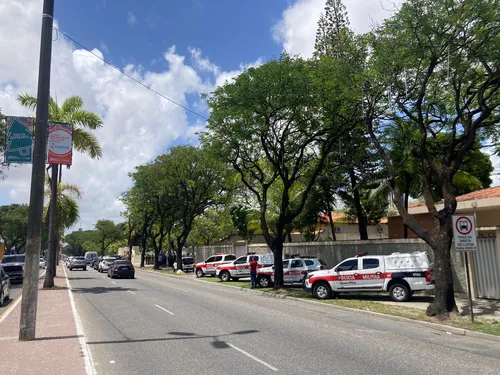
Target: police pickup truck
[(241, 266), (399, 274)]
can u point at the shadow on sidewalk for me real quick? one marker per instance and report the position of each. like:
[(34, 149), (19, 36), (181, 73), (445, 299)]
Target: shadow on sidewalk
[(57, 338), (216, 343), (102, 290), (482, 308)]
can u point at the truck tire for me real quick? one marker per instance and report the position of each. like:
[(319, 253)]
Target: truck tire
[(199, 272), (225, 276), (264, 282), (322, 290), (399, 292)]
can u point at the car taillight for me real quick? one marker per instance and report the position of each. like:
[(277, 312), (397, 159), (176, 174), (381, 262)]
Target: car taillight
[(115, 267), (131, 267), (428, 276)]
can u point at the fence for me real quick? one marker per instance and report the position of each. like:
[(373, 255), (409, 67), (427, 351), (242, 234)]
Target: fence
[(486, 266)]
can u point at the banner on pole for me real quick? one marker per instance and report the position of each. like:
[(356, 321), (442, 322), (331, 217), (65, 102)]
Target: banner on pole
[(18, 139), (60, 143)]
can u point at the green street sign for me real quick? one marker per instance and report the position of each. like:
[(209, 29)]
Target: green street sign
[(19, 140)]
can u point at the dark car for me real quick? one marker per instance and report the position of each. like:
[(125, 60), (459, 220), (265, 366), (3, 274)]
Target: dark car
[(4, 286), (13, 265), (95, 263), (121, 268), (78, 262)]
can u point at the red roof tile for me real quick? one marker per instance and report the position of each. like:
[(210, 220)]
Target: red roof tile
[(340, 217), (492, 192)]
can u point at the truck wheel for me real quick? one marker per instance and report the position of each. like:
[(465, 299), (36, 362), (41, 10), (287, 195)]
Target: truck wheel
[(399, 292), (224, 276), (322, 290), (263, 281), (199, 272)]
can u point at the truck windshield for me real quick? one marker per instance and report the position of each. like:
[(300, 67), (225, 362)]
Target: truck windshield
[(13, 259)]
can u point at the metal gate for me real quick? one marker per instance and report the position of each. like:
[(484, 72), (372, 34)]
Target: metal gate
[(487, 268)]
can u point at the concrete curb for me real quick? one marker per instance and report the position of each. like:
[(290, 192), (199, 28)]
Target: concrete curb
[(418, 323)]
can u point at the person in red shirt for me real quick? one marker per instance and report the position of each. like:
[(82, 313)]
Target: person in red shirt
[(253, 271)]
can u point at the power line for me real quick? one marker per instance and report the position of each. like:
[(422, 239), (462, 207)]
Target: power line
[(129, 76)]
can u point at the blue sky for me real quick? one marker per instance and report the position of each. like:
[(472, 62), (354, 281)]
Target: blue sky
[(228, 31)]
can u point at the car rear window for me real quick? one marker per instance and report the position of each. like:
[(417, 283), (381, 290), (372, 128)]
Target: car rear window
[(230, 257), (218, 258), (13, 259), (123, 263), (309, 262), (369, 263), (187, 261)]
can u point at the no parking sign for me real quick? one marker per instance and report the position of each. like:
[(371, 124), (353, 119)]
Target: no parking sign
[(464, 233)]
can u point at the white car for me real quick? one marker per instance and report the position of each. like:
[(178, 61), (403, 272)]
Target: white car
[(399, 274), (43, 264), (294, 271), (105, 264), (241, 267), (209, 266), (187, 264)]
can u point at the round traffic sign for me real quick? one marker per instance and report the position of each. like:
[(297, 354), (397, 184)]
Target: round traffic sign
[(463, 225)]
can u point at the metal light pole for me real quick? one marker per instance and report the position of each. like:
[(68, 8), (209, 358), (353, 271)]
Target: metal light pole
[(27, 326)]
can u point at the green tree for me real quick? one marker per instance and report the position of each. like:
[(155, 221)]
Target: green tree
[(78, 242), (213, 226), (435, 64), (67, 205), (14, 226), (275, 125), (107, 232)]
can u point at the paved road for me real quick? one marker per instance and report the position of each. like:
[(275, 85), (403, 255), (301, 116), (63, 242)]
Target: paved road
[(15, 291), (157, 324)]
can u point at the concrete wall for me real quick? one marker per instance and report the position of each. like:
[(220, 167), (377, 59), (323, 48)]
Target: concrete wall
[(334, 252)]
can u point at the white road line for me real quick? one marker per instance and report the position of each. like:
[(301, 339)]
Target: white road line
[(173, 287), (253, 357), (112, 282), (130, 291), (161, 308), (89, 365)]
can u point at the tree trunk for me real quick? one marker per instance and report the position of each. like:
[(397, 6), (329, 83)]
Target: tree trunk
[(289, 235), (332, 225), (156, 264), (178, 253), (130, 251), (362, 222), (50, 273), (278, 262), (444, 296), (407, 198)]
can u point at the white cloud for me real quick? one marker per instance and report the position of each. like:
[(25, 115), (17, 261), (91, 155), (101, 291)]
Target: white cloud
[(104, 46), (227, 77), (138, 124), (296, 30), (201, 63), (131, 20)]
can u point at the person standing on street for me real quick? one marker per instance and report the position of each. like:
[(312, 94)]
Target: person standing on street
[(253, 271)]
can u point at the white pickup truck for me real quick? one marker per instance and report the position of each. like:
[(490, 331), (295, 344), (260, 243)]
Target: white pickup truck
[(399, 274), (241, 266)]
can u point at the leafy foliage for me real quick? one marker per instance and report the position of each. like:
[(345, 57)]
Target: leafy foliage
[(14, 226)]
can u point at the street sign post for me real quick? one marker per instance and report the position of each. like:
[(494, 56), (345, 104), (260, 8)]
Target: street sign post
[(464, 234)]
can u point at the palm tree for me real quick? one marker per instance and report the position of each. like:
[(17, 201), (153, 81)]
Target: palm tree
[(67, 206), (71, 111)]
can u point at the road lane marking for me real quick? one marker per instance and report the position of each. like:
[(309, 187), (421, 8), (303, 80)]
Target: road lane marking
[(112, 282), (89, 364), (252, 357), (9, 309), (173, 287), (161, 308), (130, 291)]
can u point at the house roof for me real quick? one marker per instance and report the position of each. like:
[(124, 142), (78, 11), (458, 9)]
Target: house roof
[(492, 192), (339, 217)]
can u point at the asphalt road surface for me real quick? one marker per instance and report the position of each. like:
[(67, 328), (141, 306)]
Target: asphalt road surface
[(157, 324), (15, 291)]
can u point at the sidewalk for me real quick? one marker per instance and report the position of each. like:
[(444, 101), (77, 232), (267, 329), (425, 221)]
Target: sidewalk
[(56, 349)]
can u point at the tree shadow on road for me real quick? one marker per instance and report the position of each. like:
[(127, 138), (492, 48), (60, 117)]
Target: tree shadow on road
[(216, 342), (102, 290)]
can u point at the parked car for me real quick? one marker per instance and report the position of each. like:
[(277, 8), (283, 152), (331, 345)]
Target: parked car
[(209, 266), (13, 265), (4, 286), (241, 267), (294, 271), (43, 264), (78, 263), (121, 268), (187, 264), (105, 263), (399, 274)]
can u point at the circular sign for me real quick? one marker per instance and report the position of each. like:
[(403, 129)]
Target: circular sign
[(463, 225)]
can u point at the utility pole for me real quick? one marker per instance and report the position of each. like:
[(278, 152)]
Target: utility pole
[(27, 326), (52, 254)]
